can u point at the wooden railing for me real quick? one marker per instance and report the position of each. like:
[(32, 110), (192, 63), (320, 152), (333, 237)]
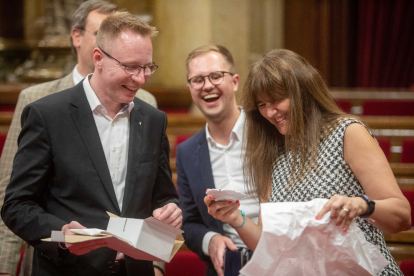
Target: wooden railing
[(401, 245), (180, 98)]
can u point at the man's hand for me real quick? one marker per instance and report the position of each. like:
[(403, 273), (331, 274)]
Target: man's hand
[(216, 249), (169, 214), (158, 272), (84, 247)]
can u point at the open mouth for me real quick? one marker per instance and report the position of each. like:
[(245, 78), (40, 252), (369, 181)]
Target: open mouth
[(281, 119), (130, 88), (211, 97)]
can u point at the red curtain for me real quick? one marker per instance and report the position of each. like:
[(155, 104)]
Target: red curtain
[(385, 46)]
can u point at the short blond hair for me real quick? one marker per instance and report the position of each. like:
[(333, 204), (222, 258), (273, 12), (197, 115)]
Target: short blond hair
[(207, 49), (117, 22)]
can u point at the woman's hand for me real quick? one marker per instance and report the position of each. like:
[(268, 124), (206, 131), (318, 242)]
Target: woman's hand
[(343, 209), (226, 211)]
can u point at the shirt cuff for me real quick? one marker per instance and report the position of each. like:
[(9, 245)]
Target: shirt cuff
[(206, 241)]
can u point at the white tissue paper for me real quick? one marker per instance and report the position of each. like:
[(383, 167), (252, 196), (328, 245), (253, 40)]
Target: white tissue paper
[(89, 232), (294, 243)]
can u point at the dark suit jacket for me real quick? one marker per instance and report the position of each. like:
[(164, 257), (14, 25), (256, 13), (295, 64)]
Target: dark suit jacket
[(194, 177), (60, 175)]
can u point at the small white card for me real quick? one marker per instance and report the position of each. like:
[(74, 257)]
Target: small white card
[(225, 195)]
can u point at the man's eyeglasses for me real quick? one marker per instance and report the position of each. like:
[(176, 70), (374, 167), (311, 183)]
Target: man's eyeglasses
[(133, 70), (215, 78), (91, 33)]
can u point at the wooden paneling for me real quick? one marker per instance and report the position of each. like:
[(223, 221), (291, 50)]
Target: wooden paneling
[(174, 98), (9, 92), (401, 251), (11, 19), (404, 236), (301, 29), (324, 33)]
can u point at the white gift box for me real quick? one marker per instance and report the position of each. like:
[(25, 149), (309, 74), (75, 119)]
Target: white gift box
[(143, 239)]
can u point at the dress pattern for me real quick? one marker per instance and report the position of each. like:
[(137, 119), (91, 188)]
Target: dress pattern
[(332, 176)]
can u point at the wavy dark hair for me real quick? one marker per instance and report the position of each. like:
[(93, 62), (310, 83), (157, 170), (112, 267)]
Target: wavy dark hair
[(283, 74)]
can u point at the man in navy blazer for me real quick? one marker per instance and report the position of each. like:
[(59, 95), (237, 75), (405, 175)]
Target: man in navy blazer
[(213, 157), (90, 149)]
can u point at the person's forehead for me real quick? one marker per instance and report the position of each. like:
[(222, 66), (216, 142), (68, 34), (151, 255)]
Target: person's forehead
[(131, 47), (95, 19), (208, 62), (129, 39)]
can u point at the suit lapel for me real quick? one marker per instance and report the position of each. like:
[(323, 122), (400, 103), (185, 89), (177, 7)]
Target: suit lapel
[(134, 153), (82, 116), (203, 165)]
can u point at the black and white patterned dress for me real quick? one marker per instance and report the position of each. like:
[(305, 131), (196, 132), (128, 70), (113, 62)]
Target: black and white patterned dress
[(333, 176)]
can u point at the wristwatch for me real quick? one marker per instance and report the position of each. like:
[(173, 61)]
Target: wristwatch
[(371, 207)]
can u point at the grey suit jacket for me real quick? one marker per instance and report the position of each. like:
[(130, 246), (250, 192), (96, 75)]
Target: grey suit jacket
[(60, 174)]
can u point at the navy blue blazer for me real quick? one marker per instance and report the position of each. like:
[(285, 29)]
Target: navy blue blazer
[(194, 177)]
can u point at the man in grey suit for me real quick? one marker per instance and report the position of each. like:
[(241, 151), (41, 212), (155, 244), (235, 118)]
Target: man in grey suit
[(85, 25)]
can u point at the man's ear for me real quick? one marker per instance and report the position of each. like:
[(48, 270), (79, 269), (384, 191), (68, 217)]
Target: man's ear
[(97, 58), (76, 37), (236, 82)]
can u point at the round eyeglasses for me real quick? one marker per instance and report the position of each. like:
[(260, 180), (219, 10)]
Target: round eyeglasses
[(197, 82), (134, 70)]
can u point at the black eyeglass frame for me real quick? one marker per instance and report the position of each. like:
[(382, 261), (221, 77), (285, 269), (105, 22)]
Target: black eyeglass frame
[(204, 78), (126, 66)]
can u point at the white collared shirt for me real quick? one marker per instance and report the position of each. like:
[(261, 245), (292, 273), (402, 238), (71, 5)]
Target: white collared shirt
[(77, 77), (114, 135), (227, 167)]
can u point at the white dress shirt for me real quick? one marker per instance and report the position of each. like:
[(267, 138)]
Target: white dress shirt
[(77, 77), (227, 168), (114, 135)]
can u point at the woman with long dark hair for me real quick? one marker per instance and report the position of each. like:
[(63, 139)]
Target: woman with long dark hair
[(301, 146)]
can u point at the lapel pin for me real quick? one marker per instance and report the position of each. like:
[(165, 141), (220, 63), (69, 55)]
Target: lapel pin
[(139, 123)]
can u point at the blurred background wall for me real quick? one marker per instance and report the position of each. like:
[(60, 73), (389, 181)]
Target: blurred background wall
[(363, 48), (354, 43)]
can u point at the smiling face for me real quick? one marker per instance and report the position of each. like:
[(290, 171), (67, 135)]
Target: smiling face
[(216, 102), (114, 85), (275, 112)]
